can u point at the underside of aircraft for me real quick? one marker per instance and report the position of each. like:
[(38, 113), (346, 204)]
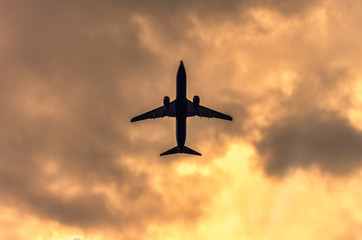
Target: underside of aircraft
[(181, 108)]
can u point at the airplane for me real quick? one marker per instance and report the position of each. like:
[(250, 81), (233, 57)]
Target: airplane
[(181, 108)]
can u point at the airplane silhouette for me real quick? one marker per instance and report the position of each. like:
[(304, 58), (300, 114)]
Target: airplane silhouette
[(181, 108)]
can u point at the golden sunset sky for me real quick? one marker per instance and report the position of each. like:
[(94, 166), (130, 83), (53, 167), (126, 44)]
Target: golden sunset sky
[(73, 74)]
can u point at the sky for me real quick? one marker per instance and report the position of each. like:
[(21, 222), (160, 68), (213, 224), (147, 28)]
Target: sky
[(73, 74)]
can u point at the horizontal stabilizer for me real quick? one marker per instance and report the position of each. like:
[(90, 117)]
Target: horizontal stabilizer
[(171, 151), (177, 150), (190, 151)]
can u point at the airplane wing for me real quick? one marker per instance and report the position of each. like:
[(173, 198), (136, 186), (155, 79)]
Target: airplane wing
[(158, 113), (202, 111)]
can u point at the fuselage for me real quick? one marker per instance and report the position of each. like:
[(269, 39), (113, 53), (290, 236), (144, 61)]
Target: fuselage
[(181, 106)]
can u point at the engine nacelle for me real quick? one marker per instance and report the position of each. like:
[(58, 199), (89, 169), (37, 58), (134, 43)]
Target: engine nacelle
[(166, 102), (196, 101)]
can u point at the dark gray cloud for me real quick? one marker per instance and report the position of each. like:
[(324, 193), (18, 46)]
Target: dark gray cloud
[(320, 138)]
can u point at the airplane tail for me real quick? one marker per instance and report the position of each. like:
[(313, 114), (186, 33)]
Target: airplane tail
[(171, 151), (177, 150), (190, 151)]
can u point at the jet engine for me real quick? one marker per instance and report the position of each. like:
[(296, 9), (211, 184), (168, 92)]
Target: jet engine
[(196, 101), (166, 102)]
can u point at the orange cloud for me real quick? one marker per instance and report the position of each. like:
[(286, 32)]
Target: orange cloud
[(73, 74)]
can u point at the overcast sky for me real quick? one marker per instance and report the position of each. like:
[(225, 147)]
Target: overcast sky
[(73, 74)]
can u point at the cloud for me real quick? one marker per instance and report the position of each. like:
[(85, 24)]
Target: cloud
[(74, 73), (311, 127), (71, 77), (319, 138)]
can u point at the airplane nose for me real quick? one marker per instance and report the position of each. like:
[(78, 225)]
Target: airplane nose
[(181, 63)]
